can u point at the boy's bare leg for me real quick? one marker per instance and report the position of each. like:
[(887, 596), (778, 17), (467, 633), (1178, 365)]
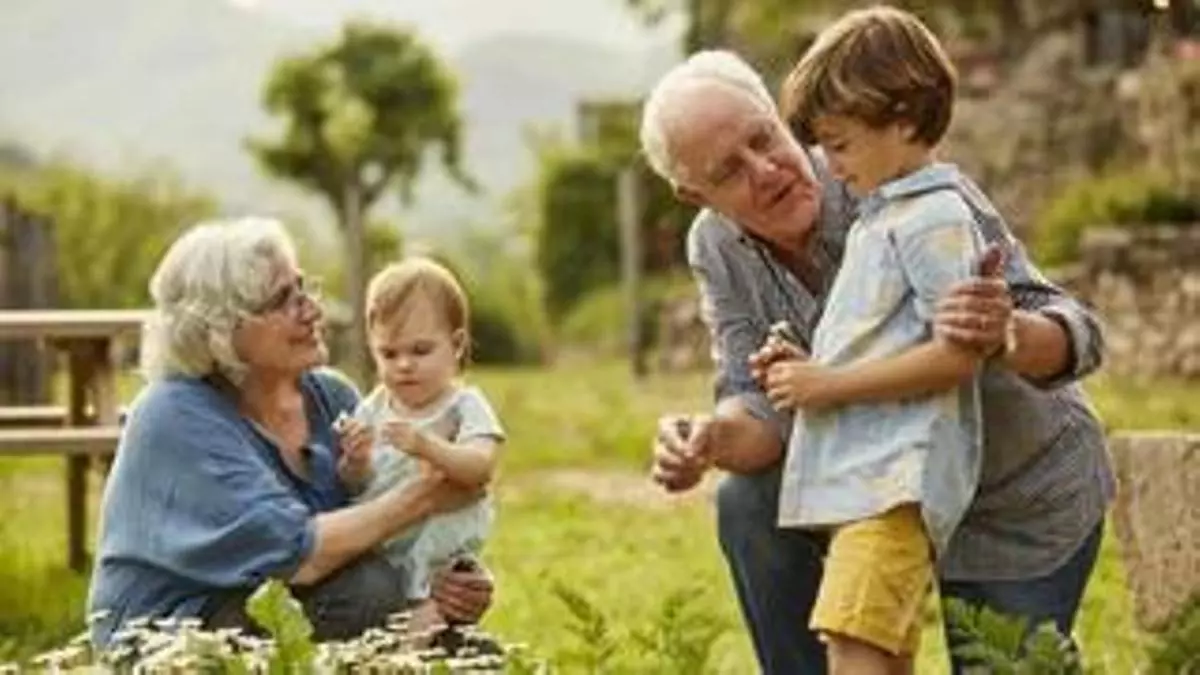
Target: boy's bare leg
[(848, 656)]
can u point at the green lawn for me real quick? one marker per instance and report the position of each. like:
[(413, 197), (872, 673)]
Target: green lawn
[(576, 521)]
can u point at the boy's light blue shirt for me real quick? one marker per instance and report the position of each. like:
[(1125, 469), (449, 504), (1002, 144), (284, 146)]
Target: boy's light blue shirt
[(914, 239), (198, 502)]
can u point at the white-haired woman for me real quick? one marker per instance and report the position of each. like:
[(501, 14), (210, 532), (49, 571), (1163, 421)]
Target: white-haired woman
[(226, 472)]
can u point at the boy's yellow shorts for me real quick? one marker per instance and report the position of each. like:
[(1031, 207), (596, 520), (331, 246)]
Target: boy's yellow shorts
[(877, 574)]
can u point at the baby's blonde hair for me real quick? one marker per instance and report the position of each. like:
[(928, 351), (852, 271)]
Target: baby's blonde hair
[(394, 287)]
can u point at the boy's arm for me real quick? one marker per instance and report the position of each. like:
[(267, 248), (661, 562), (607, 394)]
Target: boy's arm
[(934, 255), (928, 368)]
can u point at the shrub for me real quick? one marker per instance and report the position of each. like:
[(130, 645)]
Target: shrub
[(599, 320), (1121, 199), (170, 646), (1178, 648)]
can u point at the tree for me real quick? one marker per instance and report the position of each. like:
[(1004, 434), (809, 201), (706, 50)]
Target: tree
[(109, 233), (361, 116)]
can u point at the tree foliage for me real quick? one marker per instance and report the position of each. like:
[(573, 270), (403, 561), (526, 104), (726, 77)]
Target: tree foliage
[(361, 116), (109, 233), (577, 238)]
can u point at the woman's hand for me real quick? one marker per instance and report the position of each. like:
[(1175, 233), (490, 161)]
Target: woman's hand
[(354, 464), (462, 592)]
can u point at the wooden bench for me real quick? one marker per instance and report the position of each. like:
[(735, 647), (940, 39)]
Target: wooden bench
[(78, 445), (74, 441), (38, 416), (87, 427)]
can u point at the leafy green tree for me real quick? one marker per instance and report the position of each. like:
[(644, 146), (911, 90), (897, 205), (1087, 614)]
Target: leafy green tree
[(109, 233), (361, 116)]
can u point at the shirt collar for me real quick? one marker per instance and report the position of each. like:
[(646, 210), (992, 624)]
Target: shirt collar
[(934, 176)]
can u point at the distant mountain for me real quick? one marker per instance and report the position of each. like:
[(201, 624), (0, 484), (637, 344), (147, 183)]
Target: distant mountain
[(123, 80)]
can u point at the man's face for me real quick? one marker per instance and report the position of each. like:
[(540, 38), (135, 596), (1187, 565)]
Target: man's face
[(735, 156)]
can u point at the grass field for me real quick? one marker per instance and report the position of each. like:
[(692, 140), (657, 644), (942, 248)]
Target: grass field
[(579, 527)]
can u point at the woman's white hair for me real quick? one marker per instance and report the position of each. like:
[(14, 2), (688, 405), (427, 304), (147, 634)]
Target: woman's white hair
[(210, 277), (665, 104)]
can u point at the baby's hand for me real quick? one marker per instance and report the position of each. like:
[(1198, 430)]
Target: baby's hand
[(404, 436), (354, 440)]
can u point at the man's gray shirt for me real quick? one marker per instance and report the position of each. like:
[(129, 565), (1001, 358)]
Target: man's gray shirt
[(1046, 479)]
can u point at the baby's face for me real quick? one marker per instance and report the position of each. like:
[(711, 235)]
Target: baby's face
[(416, 353)]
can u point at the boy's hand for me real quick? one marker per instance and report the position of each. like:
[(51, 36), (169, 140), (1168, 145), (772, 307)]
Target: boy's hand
[(354, 440), (798, 383), (404, 436)]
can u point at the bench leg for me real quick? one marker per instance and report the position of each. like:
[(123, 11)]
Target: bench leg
[(77, 513)]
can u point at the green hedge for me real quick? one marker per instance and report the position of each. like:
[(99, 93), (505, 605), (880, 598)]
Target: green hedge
[(1121, 199)]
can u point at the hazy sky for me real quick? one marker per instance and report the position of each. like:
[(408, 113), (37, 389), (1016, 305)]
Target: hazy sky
[(451, 23)]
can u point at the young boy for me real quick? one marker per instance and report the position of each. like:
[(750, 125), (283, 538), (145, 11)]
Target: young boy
[(423, 418), (886, 448)]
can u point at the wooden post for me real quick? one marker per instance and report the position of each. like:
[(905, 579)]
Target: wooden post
[(629, 216), (354, 230), (80, 359), (27, 281)]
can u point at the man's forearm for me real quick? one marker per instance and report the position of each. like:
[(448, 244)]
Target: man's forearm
[(743, 443), (1042, 349)]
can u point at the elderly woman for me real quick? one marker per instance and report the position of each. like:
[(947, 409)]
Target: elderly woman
[(225, 475)]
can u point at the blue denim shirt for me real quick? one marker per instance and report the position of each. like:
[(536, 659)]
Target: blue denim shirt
[(914, 239), (1045, 480), (199, 501)]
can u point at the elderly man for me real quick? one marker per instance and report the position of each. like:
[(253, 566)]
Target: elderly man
[(765, 248)]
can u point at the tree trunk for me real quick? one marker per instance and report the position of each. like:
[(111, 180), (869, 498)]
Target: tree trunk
[(356, 365)]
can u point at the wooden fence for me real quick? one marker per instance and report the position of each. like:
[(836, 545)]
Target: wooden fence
[(27, 281)]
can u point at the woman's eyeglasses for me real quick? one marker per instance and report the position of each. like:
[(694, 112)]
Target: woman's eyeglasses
[(293, 298)]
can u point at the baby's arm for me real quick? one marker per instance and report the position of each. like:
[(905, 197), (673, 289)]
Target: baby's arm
[(471, 463), (471, 456)]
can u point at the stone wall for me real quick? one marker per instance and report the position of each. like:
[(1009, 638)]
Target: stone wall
[(1145, 283), (1157, 520)]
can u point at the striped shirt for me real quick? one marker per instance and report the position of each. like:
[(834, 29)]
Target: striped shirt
[(1045, 480)]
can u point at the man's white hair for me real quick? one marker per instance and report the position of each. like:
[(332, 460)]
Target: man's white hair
[(210, 278), (662, 107)]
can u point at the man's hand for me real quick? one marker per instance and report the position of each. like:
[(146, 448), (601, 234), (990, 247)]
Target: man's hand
[(354, 464), (977, 313), (683, 451), (798, 384)]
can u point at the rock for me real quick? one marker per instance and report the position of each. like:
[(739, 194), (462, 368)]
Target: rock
[(1157, 519)]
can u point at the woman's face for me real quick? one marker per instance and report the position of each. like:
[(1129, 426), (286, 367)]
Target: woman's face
[(284, 335)]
